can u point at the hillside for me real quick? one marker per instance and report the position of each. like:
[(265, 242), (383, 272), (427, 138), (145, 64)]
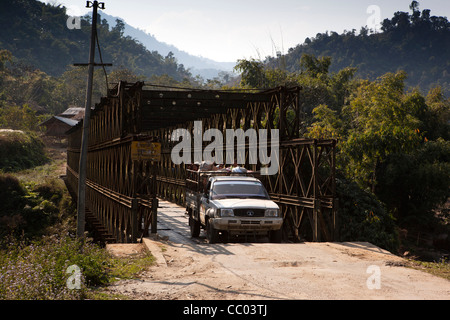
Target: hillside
[(37, 35), (206, 68), (415, 42)]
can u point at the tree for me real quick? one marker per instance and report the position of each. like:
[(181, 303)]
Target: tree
[(414, 184), (315, 67), (19, 118), (71, 89), (407, 38), (414, 6), (252, 73), (380, 123), (363, 217), (384, 145), (326, 125), (124, 74), (437, 116), (119, 28), (5, 56)]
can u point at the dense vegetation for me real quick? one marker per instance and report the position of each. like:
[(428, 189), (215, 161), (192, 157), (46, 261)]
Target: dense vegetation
[(393, 152), (38, 271), (38, 247), (37, 52), (417, 43), (20, 150), (37, 34)]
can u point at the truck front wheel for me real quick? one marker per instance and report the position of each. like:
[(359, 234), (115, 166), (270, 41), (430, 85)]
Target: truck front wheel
[(211, 233)]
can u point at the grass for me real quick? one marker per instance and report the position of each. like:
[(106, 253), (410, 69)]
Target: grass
[(122, 268), (439, 269), (39, 246), (20, 150), (129, 268), (39, 270)]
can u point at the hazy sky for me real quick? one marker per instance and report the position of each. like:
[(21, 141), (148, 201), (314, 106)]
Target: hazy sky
[(227, 30)]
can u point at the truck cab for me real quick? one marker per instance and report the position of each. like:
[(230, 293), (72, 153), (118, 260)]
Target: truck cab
[(232, 205)]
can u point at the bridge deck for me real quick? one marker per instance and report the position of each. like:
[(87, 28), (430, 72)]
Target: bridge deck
[(173, 225)]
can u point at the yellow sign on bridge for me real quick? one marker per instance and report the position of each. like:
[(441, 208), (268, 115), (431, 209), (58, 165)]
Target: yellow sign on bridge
[(144, 150)]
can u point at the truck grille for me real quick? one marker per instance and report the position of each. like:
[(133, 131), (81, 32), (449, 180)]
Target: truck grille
[(249, 213)]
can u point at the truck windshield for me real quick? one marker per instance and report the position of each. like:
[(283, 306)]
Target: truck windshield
[(238, 189)]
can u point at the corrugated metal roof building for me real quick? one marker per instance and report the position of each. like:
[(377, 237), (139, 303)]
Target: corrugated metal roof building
[(57, 126)]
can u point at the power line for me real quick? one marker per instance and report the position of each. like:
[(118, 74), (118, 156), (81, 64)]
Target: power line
[(101, 60)]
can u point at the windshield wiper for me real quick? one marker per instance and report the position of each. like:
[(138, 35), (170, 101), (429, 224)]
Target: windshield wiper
[(219, 197), (257, 196)]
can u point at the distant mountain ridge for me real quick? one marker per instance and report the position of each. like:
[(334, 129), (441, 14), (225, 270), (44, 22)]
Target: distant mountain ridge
[(415, 42), (204, 67), (37, 35)]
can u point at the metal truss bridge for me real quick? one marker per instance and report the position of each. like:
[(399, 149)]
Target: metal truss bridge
[(122, 191)]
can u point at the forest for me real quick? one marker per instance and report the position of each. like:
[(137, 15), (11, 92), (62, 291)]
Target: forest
[(393, 148), (37, 35), (385, 97), (38, 50), (416, 42)]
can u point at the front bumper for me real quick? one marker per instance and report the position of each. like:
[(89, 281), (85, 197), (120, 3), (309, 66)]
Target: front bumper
[(244, 225)]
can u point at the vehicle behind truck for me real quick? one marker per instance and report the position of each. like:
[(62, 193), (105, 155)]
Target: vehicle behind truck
[(228, 204)]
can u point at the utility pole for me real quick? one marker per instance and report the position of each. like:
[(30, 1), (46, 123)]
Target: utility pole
[(81, 205)]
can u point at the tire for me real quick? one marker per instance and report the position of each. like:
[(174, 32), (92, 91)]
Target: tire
[(195, 227), (275, 236), (211, 233)]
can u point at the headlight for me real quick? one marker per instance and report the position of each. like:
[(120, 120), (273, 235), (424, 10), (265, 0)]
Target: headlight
[(211, 212), (226, 213), (271, 213)]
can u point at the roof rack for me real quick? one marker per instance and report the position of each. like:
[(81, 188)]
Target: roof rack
[(196, 179)]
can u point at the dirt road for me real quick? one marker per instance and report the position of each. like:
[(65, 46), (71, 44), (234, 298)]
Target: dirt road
[(193, 269)]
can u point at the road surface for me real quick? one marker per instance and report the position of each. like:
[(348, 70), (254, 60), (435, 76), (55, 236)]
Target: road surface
[(193, 269)]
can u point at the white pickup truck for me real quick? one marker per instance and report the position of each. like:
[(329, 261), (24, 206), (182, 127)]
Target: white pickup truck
[(229, 204)]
